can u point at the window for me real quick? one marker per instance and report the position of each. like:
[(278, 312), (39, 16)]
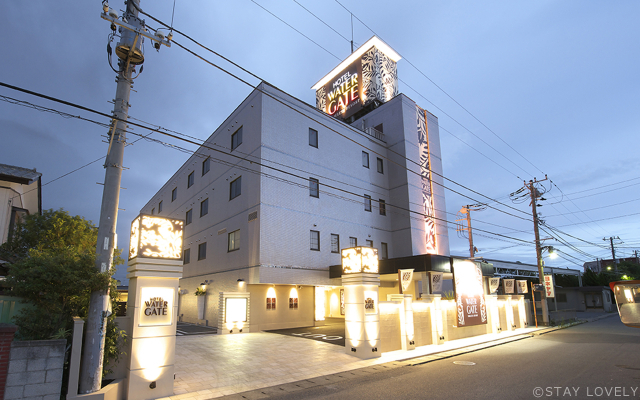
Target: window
[(335, 243), (313, 138), (190, 180), (234, 240), (380, 166), (204, 208), (367, 202), (383, 207), (383, 251), (353, 242), (315, 240), (369, 243), (153, 211), (189, 217), (234, 188), (314, 187), (186, 258), (202, 251), (365, 159), (236, 138), (174, 194), (160, 207), (206, 165)]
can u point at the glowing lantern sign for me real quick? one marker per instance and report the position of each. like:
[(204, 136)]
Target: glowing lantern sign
[(359, 259), (156, 237), (471, 306)]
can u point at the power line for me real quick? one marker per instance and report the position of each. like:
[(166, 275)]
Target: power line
[(204, 145)]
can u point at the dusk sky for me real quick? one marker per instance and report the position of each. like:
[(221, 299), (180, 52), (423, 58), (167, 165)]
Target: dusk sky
[(521, 89)]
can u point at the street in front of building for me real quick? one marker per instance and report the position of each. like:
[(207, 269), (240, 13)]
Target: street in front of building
[(592, 360)]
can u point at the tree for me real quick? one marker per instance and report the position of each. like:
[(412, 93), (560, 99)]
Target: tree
[(52, 267)]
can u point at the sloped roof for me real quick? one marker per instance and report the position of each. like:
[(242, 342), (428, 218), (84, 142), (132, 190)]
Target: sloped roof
[(11, 173)]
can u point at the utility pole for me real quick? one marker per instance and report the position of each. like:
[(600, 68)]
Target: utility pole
[(467, 210), (130, 54), (613, 252), (534, 197)]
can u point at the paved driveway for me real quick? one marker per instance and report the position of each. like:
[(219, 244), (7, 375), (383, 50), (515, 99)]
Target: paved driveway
[(333, 334)]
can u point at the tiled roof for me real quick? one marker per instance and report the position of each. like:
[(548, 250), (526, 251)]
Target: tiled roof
[(19, 174)]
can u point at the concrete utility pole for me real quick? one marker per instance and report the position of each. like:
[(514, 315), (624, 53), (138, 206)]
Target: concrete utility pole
[(534, 197), (129, 52), (613, 252)]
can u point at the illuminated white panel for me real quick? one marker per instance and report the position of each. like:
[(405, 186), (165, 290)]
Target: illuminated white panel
[(235, 310), (320, 298)]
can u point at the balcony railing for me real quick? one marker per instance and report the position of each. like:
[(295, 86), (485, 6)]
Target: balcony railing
[(371, 131)]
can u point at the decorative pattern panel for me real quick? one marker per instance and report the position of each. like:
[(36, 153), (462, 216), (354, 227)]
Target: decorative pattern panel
[(427, 183)]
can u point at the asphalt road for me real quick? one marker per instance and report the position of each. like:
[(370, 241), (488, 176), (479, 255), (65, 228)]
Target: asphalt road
[(596, 360)]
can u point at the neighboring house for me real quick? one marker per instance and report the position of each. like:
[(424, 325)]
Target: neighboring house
[(20, 195), (281, 187)]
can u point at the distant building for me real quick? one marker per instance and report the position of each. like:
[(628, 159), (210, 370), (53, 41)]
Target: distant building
[(20, 195), (281, 187), (604, 264)]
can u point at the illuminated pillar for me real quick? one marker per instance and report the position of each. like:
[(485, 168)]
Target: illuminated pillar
[(361, 281), (407, 332), (155, 266)]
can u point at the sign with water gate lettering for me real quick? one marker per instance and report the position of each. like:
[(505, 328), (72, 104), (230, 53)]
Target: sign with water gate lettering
[(469, 291), (156, 306)]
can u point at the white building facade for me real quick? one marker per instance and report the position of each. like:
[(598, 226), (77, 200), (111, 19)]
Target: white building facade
[(281, 187)]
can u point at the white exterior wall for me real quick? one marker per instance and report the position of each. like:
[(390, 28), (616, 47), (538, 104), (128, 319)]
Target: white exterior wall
[(275, 247)]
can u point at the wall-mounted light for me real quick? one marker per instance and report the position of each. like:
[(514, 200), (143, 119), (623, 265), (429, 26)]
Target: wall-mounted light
[(240, 280), (152, 385)]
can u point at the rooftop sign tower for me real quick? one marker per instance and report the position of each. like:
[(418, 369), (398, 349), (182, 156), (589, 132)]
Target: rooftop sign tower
[(360, 83)]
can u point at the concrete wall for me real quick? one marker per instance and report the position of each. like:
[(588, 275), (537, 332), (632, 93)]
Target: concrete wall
[(282, 317), (35, 370)]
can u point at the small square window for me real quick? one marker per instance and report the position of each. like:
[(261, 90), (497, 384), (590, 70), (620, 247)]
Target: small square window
[(174, 194), (234, 240), (380, 165), (313, 138), (204, 208), (202, 251), (367, 202), (186, 258), (353, 242), (190, 180), (315, 240), (206, 165), (236, 138), (365, 159), (314, 187), (369, 243), (383, 251), (189, 217), (235, 188), (383, 207), (160, 207), (335, 243)]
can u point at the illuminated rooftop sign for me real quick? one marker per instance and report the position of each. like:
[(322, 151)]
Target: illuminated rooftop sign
[(359, 259), (368, 74), (156, 237)]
